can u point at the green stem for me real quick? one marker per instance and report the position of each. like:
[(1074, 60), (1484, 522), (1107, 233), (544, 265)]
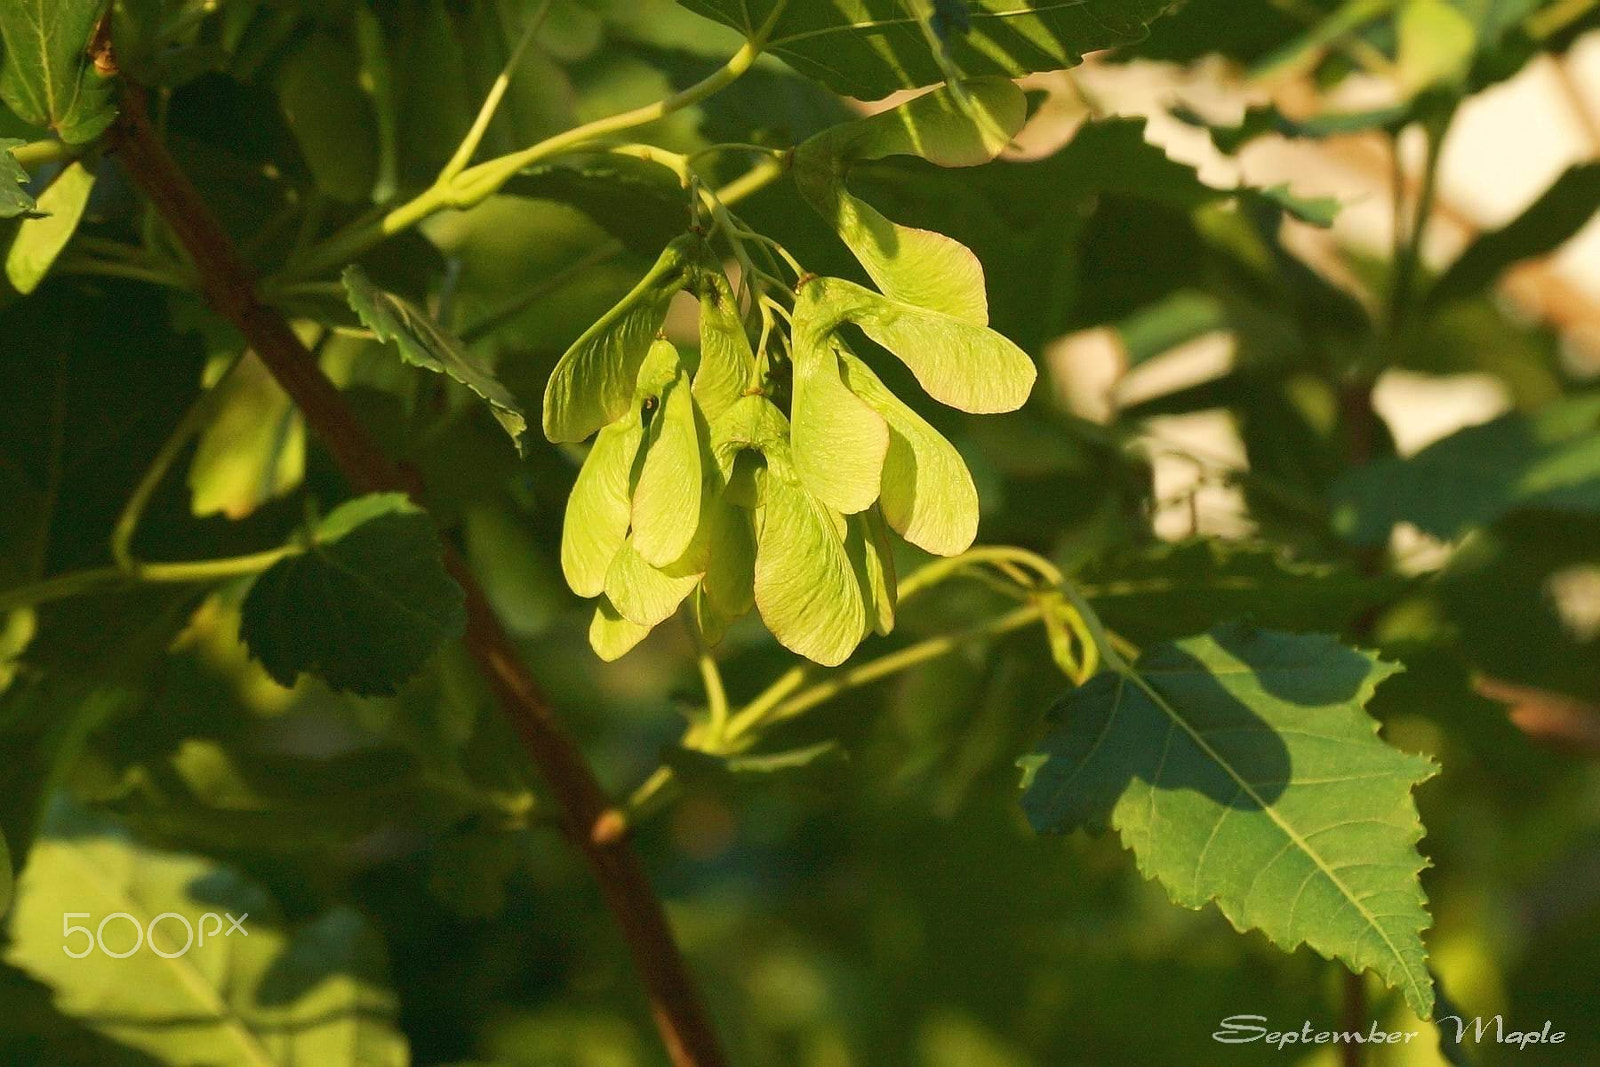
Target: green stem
[(1410, 261), (757, 178), (716, 692), (138, 272), (876, 670), (476, 184), (491, 103), (38, 153), (939, 570), (101, 579), (188, 426)]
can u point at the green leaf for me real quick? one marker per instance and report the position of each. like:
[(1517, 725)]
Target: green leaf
[(309, 992), (41, 239), (1436, 44), (666, 498), (838, 442), (873, 558), (594, 382), (14, 198), (1545, 225), (423, 343), (1165, 592), (806, 585), (928, 496), (643, 594), (610, 635), (1548, 460), (596, 521), (639, 203), (48, 78), (870, 48), (912, 265), (363, 607), (958, 362), (1240, 767), (331, 115), (254, 448), (729, 583), (727, 367)]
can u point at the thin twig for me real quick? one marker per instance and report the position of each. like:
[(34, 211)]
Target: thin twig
[(587, 814)]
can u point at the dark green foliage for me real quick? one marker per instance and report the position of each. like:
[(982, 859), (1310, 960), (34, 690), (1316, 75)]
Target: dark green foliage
[(793, 357)]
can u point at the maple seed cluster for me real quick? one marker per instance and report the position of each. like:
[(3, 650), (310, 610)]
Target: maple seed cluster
[(699, 486)]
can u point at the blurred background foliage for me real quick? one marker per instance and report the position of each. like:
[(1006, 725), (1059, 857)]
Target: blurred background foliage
[(880, 901)]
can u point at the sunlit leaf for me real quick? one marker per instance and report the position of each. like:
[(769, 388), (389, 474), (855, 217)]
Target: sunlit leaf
[(598, 510), (610, 635), (873, 557), (41, 239), (959, 363), (666, 498), (363, 607), (642, 594), (1241, 767), (424, 343), (838, 441), (729, 583), (805, 583), (913, 265), (928, 494), (594, 382), (277, 993), (727, 364)]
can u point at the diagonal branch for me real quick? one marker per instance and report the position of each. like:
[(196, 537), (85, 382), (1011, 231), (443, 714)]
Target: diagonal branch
[(595, 826)]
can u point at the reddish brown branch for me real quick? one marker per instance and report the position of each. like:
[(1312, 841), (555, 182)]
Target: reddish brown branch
[(587, 815)]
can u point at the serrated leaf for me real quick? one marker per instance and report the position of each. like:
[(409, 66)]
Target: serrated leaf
[(48, 78), (424, 343), (363, 608), (610, 635), (959, 363), (727, 364), (914, 265), (598, 509), (643, 594), (838, 441), (594, 381), (1546, 460), (1563, 209), (14, 198), (310, 992), (1240, 767), (41, 239), (666, 498), (870, 48), (805, 582), (1164, 592), (928, 496)]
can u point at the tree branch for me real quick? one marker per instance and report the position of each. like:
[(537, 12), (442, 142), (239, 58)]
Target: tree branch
[(587, 815)]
